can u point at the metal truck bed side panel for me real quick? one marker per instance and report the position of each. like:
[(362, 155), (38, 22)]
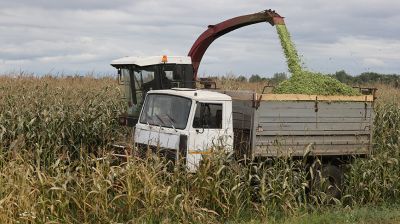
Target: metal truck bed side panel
[(291, 128)]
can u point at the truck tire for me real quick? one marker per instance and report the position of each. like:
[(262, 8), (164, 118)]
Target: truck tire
[(334, 181)]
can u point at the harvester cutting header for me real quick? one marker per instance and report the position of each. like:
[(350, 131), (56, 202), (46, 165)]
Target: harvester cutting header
[(141, 74)]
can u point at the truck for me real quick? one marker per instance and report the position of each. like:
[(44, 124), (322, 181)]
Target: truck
[(187, 124)]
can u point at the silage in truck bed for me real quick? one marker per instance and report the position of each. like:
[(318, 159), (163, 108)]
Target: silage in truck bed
[(314, 84), (306, 82)]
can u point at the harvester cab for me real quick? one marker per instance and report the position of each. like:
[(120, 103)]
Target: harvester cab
[(138, 75)]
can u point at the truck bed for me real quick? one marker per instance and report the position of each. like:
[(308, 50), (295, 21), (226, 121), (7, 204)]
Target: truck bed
[(295, 124)]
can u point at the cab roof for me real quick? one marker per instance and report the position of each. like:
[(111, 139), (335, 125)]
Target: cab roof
[(153, 60), (195, 94)]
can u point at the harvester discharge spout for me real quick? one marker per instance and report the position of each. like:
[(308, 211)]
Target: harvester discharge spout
[(215, 31)]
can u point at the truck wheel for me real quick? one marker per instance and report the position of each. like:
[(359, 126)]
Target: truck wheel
[(333, 184)]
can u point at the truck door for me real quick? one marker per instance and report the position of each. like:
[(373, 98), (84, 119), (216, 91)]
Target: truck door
[(207, 132)]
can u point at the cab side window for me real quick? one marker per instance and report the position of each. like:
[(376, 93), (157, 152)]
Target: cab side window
[(208, 116)]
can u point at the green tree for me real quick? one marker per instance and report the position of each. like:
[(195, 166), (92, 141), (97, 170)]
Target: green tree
[(241, 78), (343, 77), (256, 78), (278, 78), (369, 77)]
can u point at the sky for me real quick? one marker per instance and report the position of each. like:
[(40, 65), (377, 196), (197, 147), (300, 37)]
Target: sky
[(84, 36)]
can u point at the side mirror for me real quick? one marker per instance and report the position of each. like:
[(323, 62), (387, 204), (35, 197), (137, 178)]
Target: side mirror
[(120, 82)]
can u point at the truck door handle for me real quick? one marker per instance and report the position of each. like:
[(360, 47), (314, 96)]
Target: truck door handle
[(200, 132)]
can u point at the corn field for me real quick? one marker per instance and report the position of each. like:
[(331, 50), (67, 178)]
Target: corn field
[(56, 165)]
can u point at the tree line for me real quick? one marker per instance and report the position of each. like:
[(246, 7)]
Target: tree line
[(364, 78), (368, 78)]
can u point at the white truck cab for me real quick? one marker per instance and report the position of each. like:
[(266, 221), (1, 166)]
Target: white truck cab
[(185, 124)]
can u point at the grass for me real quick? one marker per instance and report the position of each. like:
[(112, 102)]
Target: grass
[(388, 214), (57, 166)]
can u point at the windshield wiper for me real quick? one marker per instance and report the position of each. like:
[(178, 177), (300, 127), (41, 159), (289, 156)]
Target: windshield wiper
[(172, 121), (159, 118)]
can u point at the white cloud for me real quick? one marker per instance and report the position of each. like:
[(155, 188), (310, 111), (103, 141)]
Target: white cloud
[(373, 62), (358, 47), (79, 58), (354, 54), (73, 35)]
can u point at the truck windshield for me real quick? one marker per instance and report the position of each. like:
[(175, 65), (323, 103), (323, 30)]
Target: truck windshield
[(166, 111)]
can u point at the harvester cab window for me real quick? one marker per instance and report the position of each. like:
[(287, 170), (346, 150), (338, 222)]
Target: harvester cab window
[(143, 76), (140, 78), (147, 80), (173, 76), (147, 76), (169, 75), (125, 81), (208, 116)]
